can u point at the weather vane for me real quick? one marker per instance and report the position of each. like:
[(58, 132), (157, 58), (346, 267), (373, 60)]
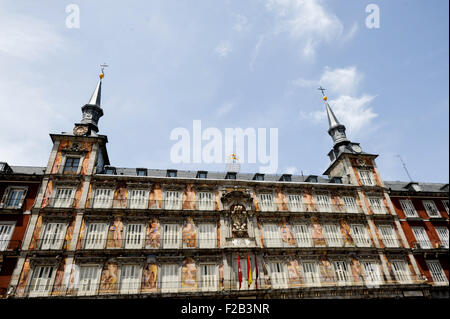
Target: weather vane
[(103, 66), (322, 89)]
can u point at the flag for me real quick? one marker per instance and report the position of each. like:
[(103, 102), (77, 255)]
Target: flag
[(257, 273), (249, 271), (239, 271)]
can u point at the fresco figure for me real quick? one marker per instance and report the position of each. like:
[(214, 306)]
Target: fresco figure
[(149, 278), (20, 290), (189, 274), (294, 272), (189, 234), (286, 233), (36, 233), (189, 197), (115, 234), (153, 237), (326, 271), (357, 271), (108, 281), (345, 231), (317, 234), (57, 286)]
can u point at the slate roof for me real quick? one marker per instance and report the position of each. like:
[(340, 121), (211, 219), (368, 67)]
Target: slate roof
[(425, 187)]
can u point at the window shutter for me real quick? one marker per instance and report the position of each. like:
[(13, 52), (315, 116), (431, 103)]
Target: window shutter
[(303, 235), (6, 231)]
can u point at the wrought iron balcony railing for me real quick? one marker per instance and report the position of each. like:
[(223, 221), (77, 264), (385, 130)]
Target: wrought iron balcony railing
[(150, 204), (320, 242), (61, 202), (139, 242), (10, 245)]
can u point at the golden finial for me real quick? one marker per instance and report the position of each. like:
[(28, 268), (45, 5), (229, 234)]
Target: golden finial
[(103, 66), (324, 98)]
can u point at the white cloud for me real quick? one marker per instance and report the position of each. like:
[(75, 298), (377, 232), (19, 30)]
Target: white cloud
[(341, 81), (225, 108), (291, 170), (27, 38), (306, 21), (255, 51), (241, 23), (223, 49)]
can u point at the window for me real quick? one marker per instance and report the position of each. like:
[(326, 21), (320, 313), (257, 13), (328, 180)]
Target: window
[(171, 173), (421, 237), (202, 174), (53, 236), (14, 197), (333, 235), (350, 204), (40, 281), (295, 203), (323, 203), (71, 165), (89, 280), (141, 172), (341, 270), (436, 271), (96, 236), (230, 175), (366, 177), (376, 203), (286, 178), (134, 236), (408, 208), (244, 272), (63, 198), (171, 236), (266, 203), (172, 200), (445, 203), (372, 273), (207, 235), (431, 208), (388, 236), (169, 278), (278, 275), (110, 170), (6, 231), (130, 276), (303, 236), (103, 198), (271, 235), (442, 233), (258, 177), (401, 271), (360, 235), (138, 199), (205, 201), (311, 273), (208, 277)]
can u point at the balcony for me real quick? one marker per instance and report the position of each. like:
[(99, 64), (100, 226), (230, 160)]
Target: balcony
[(326, 242), (8, 247), (142, 204), (429, 246), (61, 202), (141, 243)]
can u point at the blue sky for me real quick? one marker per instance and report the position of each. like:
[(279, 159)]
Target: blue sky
[(248, 64)]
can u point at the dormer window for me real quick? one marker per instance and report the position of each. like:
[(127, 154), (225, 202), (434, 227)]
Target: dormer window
[(202, 174), (286, 178), (141, 172), (171, 173), (110, 170), (336, 180), (71, 165), (231, 175), (311, 179), (258, 177)]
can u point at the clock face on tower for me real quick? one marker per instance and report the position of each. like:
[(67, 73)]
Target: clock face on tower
[(356, 148), (80, 130)]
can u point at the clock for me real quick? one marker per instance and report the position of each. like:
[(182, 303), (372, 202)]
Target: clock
[(80, 130), (356, 148)]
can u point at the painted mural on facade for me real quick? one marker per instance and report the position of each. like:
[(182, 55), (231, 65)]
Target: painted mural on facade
[(294, 272), (346, 233), (108, 280), (317, 232), (326, 271), (58, 283), (153, 234), (189, 274), (115, 234), (357, 271), (189, 197), (20, 290), (36, 233), (189, 233), (149, 278), (286, 233)]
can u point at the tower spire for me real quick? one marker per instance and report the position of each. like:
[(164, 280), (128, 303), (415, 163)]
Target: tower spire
[(336, 129)]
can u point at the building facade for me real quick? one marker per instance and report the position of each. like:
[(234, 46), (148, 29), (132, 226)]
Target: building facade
[(100, 231)]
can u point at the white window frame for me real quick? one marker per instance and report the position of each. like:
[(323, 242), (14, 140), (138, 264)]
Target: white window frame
[(421, 237), (130, 278), (205, 201), (303, 234), (443, 235), (388, 236), (311, 273), (6, 232), (295, 203), (208, 277), (134, 235), (41, 286), (436, 272), (372, 272), (342, 272), (64, 159), (431, 208), (64, 197), (360, 235), (171, 237), (445, 203), (377, 205), (138, 198), (323, 203), (401, 271), (272, 235), (18, 202), (266, 202), (88, 286), (53, 236), (366, 177), (96, 235), (278, 274), (333, 236), (207, 235), (169, 283), (173, 200), (408, 208), (103, 198), (350, 204)]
